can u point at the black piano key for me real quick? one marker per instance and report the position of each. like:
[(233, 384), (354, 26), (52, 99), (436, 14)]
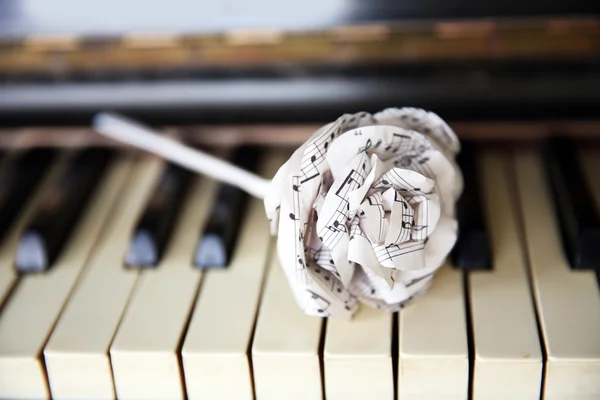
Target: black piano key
[(18, 180), (61, 206), (153, 231), (219, 236), (573, 202), (472, 249)]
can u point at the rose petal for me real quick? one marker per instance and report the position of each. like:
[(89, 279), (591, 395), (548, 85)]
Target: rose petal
[(407, 277), (440, 242), (404, 256), (279, 185), (367, 286), (322, 257), (326, 295), (378, 168), (405, 180), (401, 219), (343, 266), (372, 217), (448, 181), (332, 221), (317, 252), (422, 121), (361, 252), (362, 140), (393, 307), (318, 203), (427, 214), (443, 173), (388, 198)]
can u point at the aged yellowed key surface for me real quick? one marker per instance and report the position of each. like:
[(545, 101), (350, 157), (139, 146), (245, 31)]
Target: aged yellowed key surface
[(29, 317), (434, 354), (76, 355), (215, 358), (358, 356), (144, 353), (285, 351), (508, 353), (568, 301)]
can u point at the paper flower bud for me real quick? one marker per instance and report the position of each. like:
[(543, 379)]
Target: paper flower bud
[(364, 210)]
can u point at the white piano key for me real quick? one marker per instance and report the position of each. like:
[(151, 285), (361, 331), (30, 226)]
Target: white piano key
[(568, 301), (508, 352), (144, 353), (76, 355), (433, 344), (215, 359), (358, 356), (28, 319), (8, 246), (285, 350)]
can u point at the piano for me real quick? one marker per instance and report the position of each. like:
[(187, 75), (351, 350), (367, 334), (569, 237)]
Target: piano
[(124, 276)]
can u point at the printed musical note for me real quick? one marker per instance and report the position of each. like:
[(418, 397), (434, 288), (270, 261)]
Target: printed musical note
[(374, 212), (427, 215), (313, 165), (338, 227), (429, 124), (338, 212), (366, 147), (390, 254), (387, 150), (323, 304), (401, 217), (324, 275), (405, 180), (295, 216)]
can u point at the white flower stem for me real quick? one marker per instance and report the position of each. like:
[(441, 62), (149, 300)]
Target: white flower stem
[(127, 131)]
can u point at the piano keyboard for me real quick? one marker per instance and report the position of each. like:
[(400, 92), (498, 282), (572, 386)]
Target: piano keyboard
[(93, 326)]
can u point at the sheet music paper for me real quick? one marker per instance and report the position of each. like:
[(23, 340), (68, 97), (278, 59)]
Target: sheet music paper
[(365, 210)]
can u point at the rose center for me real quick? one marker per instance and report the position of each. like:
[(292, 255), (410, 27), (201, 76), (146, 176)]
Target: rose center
[(386, 217)]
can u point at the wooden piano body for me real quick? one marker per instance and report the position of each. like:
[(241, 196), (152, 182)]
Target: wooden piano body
[(505, 76)]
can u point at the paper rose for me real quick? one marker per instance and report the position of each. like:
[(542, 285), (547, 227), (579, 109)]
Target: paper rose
[(364, 210)]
